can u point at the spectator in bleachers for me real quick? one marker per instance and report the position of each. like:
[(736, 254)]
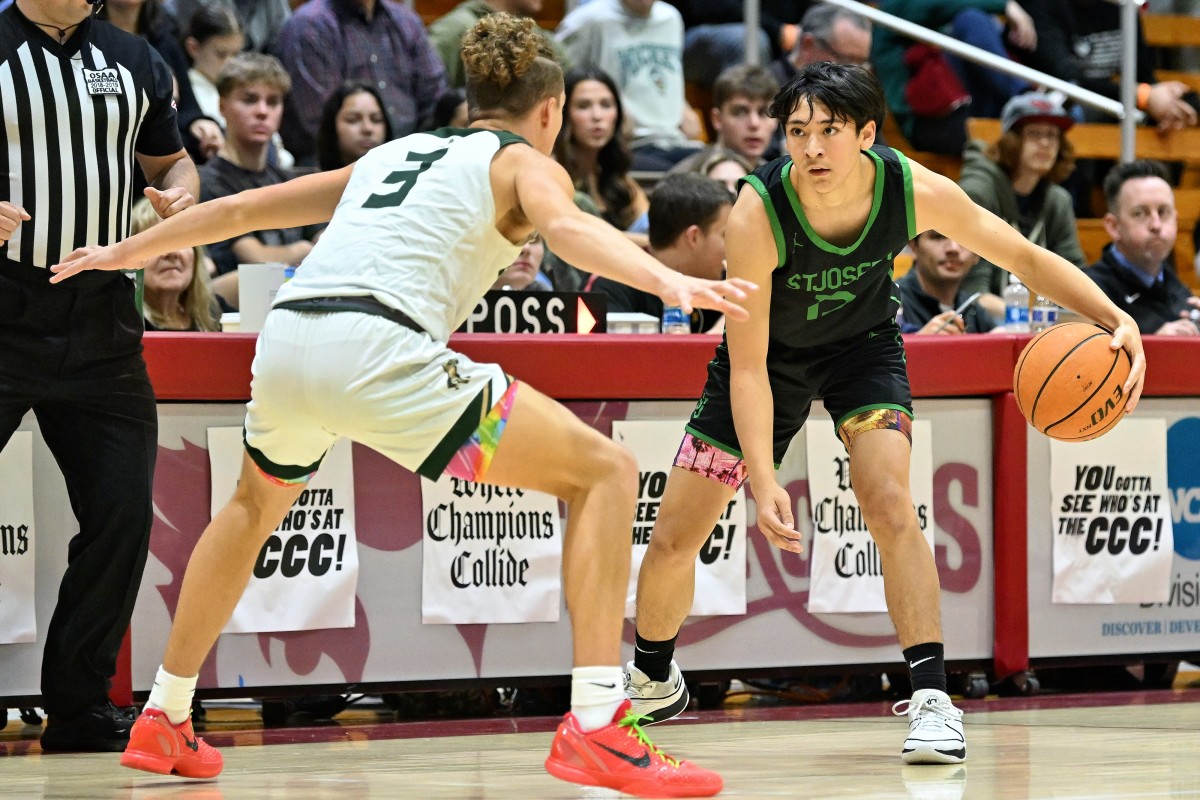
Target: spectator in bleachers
[(381, 42), (725, 168), (450, 111), (145, 18), (688, 213), (591, 146), (525, 274), (447, 31), (177, 295), (741, 97), (1135, 270), (252, 88), (262, 20), (933, 289), (214, 35), (640, 44), (352, 123), (932, 94), (827, 33), (1080, 41), (714, 36), (1017, 178)]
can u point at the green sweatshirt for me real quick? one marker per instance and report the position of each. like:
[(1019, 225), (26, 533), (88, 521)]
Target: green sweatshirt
[(1049, 221)]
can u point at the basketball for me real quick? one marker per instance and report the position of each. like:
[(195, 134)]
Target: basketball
[(1070, 384)]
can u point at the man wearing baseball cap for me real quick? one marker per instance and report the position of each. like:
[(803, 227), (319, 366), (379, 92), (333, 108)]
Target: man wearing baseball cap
[(1017, 178)]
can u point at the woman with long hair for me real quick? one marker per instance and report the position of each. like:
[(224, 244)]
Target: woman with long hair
[(592, 147), (177, 295), (352, 122)]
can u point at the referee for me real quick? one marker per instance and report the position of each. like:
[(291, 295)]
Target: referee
[(83, 106)]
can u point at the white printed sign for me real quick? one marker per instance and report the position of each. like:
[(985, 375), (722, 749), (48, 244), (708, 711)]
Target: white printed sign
[(1113, 536), (306, 574), (490, 554), (847, 572), (721, 565), (17, 621)]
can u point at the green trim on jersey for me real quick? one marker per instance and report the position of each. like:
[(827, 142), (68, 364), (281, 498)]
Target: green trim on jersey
[(872, 407), (733, 451), (910, 205), (876, 204), (506, 137), (780, 250)]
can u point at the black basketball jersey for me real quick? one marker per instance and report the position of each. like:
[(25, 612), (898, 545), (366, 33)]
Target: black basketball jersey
[(821, 293)]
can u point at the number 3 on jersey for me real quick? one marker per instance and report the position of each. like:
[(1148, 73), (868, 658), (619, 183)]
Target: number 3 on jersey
[(407, 178)]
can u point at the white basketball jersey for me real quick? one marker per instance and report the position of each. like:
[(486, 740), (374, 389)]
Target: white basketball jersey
[(415, 229)]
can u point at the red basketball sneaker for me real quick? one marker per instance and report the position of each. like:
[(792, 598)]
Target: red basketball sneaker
[(155, 745), (620, 756)]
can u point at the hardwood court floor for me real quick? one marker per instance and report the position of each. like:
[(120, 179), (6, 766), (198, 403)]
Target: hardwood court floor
[(1114, 745)]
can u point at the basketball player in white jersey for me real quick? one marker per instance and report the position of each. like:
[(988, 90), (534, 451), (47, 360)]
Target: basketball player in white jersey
[(356, 346)]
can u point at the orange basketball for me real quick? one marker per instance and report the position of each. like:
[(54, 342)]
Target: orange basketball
[(1070, 383)]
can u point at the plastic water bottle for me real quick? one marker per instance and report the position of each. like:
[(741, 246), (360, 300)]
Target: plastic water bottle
[(1043, 315), (675, 321), (1016, 306)]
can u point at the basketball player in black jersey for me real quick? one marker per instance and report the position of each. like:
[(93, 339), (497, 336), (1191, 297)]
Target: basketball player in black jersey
[(818, 229)]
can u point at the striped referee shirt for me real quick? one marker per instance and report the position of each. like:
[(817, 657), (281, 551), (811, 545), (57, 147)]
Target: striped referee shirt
[(74, 115)]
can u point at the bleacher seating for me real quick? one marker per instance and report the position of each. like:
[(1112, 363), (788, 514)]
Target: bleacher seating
[(950, 166), (1171, 30), (1103, 141)]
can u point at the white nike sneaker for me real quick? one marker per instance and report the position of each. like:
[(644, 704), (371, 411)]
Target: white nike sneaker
[(935, 731), (657, 701)]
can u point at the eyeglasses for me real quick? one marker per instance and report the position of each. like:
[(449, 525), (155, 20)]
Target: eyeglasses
[(1050, 134), (838, 57)]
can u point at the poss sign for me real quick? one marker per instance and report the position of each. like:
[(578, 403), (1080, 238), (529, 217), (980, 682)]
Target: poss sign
[(538, 312)]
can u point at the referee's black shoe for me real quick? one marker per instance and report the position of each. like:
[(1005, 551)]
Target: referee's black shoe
[(103, 728)]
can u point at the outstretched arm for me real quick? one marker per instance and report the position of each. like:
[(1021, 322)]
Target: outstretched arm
[(544, 195), (942, 206), (303, 201)]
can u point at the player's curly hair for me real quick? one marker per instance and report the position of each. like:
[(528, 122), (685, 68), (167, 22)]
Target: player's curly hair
[(510, 67)]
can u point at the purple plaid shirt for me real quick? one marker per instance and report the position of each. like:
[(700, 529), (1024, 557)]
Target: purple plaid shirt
[(327, 42)]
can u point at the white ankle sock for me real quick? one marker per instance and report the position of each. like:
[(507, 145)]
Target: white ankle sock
[(172, 695), (596, 693)]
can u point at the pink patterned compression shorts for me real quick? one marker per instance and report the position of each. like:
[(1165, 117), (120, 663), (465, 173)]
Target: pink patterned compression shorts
[(472, 460), (698, 456)]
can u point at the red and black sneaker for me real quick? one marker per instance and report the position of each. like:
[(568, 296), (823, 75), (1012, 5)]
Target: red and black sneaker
[(155, 745), (620, 756)]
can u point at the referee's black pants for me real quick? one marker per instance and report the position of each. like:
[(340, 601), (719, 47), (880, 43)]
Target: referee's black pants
[(72, 353)]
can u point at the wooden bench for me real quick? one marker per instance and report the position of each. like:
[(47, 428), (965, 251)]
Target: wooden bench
[(1093, 237), (1103, 140), (1190, 79), (950, 166), (1171, 30)]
